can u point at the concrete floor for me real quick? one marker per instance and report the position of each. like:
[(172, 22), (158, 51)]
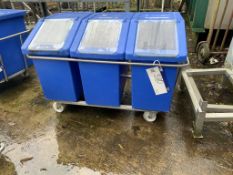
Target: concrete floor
[(88, 141), (85, 140)]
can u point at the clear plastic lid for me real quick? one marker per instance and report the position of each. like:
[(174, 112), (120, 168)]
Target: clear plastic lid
[(156, 38), (101, 37), (52, 35)]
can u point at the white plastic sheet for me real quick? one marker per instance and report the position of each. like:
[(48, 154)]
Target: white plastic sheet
[(156, 38), (52, 35), (101, 37)]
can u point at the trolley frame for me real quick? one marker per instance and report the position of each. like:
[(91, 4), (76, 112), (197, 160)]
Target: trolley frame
[(2, 66), (149, 116), (205, 112)]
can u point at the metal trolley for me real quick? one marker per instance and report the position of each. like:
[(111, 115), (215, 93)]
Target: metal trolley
[(59, 106), (204, 49), (2, 65)]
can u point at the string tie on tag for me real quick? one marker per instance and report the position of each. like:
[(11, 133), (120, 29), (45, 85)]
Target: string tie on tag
[(159, 65)]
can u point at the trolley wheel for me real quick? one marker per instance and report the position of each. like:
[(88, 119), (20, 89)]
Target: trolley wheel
[(150, 116), (203, 52), (58, 107)]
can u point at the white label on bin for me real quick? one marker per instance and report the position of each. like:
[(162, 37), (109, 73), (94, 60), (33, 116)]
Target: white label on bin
[(156, 80), (1, 69)]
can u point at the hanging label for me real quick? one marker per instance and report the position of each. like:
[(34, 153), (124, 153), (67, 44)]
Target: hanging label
[(156, 80)]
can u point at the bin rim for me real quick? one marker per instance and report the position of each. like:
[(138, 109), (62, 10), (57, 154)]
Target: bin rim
[(11, 13)]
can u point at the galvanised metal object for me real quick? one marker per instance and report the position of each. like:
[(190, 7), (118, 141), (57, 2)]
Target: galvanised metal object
[(205, 112)]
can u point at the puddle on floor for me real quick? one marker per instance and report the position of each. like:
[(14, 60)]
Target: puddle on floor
[(39, 156)]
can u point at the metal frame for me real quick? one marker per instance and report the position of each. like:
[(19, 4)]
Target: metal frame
[(156, 63), (83, 103), (205, 112), (149, 116), (139, 9), (2, 66), (73, 7), (126, 2)]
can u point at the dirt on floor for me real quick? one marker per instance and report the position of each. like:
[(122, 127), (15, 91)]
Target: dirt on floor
[(85, 140)]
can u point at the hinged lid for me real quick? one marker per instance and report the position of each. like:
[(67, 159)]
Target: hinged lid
[(54, 34), (102, 36), (157, 36), (51, 35)]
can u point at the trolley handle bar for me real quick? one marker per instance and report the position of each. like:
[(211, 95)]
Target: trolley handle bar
[(14, 35), (107, 62)]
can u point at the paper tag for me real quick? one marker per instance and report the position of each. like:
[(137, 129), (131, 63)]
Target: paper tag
[(1, 69), (156, 80)]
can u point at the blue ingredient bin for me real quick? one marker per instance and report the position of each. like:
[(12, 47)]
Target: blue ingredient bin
[(155, 37), (12, 22), (102, 36), (52, 36)]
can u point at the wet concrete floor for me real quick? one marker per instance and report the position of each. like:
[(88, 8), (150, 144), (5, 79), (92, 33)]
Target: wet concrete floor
[(89, 141), (85, 140)]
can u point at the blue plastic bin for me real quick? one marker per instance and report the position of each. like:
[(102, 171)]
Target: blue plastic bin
[(12, 22), (53, 36), (102, 36), (159, 37)]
